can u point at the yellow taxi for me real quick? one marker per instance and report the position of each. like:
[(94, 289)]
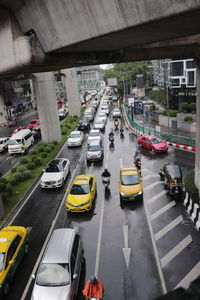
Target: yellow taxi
[(13, 246), (130, 184), (81, 193)]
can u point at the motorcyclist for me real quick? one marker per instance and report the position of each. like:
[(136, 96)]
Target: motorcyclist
[(137, 156), (122, 127), (106, 174), (111, 135), (93, 288), (116, 122)]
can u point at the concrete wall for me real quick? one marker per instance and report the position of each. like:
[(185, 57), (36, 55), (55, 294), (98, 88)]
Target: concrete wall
[(186, 126)]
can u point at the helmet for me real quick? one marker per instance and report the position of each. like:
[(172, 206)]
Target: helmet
[(93, 279), (105, 170)]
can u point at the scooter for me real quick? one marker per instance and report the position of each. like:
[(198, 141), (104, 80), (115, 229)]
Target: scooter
[(106, 183), (111, 138), (137, 163)]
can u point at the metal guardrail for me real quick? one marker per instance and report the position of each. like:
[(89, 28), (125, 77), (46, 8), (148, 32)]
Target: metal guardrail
[(172, 138)]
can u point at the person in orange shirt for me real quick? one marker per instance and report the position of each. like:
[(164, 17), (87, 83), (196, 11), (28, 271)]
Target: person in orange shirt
[(93, 288)]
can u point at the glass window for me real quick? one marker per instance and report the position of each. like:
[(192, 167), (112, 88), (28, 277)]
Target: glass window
[(94, 148), (16, 242), (190, 78), (13, 142), (190, 64), (74, 135), (156, 141), (53, 167), (75, 246), (94, 133), (53, 275), (130, 179), (79, 189), (176, 68), (175, 81), (2, 258)]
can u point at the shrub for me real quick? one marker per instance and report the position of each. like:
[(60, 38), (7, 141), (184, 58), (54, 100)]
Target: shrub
[(47, 149), (41, 148), (3, 180), (43, 154), (13, 170), (33, 152), (63, 132), (185, 106), (188, 118), (38, 162), (191, 187), (21, 169), (4, 196), (23, 160), (55, 142), (9, 189), (27, 174), (31, 166), (51, 146), (68, 126), (193, 107), (164, 113), (33, 158), (2, 187), (12, 181), (18, 177), (173, 113)]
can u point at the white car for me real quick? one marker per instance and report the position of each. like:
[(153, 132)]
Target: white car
[(102, 116), (99, 124), (94, 151), (55, 174), (94, 134), (75, 139), (116, 113), (105, 109), (4, 143)]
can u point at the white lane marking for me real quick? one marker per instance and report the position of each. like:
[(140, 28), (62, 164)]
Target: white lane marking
[(150, 171), (91, 167), (192, 275), (48, 236), (126, 250), (175, 251), (106, 160), (162, 210), (149, 176), (152, 185), (160, 272), (10, 157), (121, 162), (169, 227), (154, 198)]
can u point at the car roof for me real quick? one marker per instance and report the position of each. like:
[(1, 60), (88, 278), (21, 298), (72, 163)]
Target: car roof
[(7, 234), (150, 136), (59, 246), (56, 161), (94, 130), (76, 131), (95, 142), (82, 179), (129, 170)]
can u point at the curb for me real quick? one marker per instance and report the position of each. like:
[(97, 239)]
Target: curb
[(139, 133)]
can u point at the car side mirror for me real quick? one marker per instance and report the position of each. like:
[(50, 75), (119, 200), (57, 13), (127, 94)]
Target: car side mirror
[(75, 276), (33, 276)]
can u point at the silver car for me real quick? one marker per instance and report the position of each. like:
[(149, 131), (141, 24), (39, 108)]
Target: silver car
[(95, 151), (60, 268), (99, 124)]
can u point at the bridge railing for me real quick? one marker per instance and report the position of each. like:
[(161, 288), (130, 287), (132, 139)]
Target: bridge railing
[(173, 138)]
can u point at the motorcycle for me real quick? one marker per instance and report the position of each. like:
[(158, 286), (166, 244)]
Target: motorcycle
[(121, 132), (137, 163), (111, 138), (106, 183), (116, 123)]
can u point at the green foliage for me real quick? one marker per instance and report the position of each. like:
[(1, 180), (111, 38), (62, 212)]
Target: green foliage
[(41, 148), (18, 176), (2, 187), (12, 181), (31, 166), (38, 162), (63, 132), (3, 180), (55, 142), (47, 149), (4, 196), (43, 154), (33, 158), (147, 91), (51, 146), (13, 170), (193, 107), (191, 187), (9, 189), (21, 169), (69, 126), (33, 152), (188, 119), (23, 160), (173, 113), (159, 96), (27, 174), (185, 106)]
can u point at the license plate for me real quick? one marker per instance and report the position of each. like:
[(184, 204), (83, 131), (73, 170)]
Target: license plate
[(131, 198)]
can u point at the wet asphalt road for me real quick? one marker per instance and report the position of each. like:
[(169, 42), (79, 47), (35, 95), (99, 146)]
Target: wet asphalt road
[(140, 280)]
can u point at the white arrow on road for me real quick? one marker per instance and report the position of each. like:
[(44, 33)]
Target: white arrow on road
[(126, 250)]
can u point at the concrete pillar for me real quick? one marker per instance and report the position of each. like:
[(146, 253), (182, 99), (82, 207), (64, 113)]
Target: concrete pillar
[(197, 155), (47, 106), (2, 107), (73, 98)]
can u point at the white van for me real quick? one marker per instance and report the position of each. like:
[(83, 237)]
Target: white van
[(20, 141)]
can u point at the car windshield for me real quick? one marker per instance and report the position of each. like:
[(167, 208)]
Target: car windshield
[(83, 120), (14, 142), (33, 122), (156, 141), (130, 179), (87, 113), (53, 168), (74, 135), (79, 189), (2, 257), (116, 110), (94, 148), (99, 122), (53, 275), (102, 115), (94, 133)]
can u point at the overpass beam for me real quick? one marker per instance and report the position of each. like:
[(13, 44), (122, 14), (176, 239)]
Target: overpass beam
[(73, 98), (197, 155), (47, 106), (2, 106)]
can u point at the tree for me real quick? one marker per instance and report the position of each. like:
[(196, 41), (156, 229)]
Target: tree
[(126, 74)]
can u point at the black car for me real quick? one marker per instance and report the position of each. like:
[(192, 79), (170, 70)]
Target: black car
[(84, 124)]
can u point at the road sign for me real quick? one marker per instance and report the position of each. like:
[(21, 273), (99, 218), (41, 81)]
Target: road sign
[(138, 107), (112, 81)]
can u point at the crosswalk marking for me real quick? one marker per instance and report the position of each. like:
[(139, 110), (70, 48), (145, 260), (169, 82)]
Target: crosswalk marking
[(152, 185), (175, 251), (149, 176), (192, 275), (152, 199), (162, 210), (169, 227)]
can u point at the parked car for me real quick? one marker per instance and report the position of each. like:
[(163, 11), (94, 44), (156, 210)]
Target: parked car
[(152, 143), (62, 113), (130, 184), (84, 124), (33, 123), (60, 268), (55, 174), (75, 139), (81, 194), (94, 134), (95, 151), (116, 113), (102, 116), (99, 124), (18, 129), (4, 143), (13, 245)]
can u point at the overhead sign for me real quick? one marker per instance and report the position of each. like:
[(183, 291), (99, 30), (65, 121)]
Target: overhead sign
[(141, 92), (138, 107), (112, 81), (131, 101)]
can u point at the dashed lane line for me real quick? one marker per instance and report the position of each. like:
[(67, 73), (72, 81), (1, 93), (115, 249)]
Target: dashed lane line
[(154, 198), (162, 210), (169, 227), (192, 275), (175, 251), (121, 162), (152, 185)]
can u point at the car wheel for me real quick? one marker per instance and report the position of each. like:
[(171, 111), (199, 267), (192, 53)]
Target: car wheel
[(6, 288), (121, 202)]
